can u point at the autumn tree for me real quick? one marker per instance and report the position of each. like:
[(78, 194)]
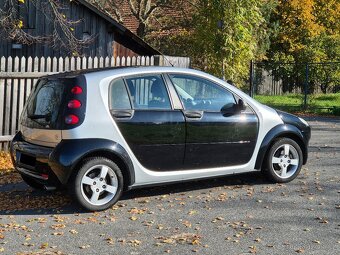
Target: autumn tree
[(12, 25), (306, 31)]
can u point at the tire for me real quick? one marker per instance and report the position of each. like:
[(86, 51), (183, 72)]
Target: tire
[(32, 183), (98, 184), (283, 161)]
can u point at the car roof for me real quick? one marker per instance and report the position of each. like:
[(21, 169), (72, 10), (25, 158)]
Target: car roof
[(120, 70)]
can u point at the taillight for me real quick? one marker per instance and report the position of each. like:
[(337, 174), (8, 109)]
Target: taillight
[(76, 90), (74, 104), (71, 119)]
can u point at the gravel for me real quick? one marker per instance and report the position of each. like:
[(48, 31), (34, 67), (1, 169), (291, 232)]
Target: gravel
[(231, 215)]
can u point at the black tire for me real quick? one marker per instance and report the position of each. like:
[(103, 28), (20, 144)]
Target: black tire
[(32, 183), (292, 162), (91, 170)]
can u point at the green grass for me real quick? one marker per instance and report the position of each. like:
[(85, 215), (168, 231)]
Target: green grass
[(328, 104)]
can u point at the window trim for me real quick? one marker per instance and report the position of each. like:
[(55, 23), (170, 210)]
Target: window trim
[(204, 78)]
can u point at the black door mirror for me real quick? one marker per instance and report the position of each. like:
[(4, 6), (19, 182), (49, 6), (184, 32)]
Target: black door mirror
[(231, 108)]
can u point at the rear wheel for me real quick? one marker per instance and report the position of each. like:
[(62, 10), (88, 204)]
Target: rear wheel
[(283, 161), (98, 184)]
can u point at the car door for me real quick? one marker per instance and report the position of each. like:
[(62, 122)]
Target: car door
[(145, 115), (217, 133)]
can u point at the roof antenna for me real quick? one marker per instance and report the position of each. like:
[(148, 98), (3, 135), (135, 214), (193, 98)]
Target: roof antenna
[(165, 57), (167, 60)]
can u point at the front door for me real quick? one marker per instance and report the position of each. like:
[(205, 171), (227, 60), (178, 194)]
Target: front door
[(217, 135), (154, 131)]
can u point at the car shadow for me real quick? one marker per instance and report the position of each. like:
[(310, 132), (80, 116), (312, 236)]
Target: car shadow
[(19, 199)]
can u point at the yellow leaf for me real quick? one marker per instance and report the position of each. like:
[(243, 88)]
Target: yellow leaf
[(20, 24), (22, 1), (44, 246), (195, 242)]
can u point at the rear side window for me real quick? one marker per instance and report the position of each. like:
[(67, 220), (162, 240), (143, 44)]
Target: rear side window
[(119, 96), (148, 92)]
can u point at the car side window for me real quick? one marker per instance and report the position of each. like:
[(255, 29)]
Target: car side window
[(119, 97), (148, 92), (200, 94)]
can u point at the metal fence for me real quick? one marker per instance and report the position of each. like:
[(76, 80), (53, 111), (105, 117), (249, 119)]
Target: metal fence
[(18, 76), (279, 78)]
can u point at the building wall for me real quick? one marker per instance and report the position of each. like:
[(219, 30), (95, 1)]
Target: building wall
[(36, 23)]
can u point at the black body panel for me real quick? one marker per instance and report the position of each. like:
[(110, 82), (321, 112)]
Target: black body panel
[(33, 161), (69, 153), (284, 130), (61, 160), (218, 140), (156, 137)]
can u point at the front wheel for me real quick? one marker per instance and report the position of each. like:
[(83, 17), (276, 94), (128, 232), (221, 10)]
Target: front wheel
[(98, 184), (283, 161)]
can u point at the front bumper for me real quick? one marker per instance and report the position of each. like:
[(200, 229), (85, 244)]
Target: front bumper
[(33, 161)]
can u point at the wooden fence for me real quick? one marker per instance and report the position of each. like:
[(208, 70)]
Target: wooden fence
[(18, 76)]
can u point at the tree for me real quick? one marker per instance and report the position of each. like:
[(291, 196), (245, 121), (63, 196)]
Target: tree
[(306, 31), (228, 34), (12, 25), (142, 10)]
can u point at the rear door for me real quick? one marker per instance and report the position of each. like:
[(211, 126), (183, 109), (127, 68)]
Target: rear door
[(145, 115), (217, 135)]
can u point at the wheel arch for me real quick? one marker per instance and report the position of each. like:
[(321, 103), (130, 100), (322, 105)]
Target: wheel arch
[(281, 131), (70, 154)]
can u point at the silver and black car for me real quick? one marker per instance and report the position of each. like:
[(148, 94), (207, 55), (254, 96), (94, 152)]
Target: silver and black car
[(104, 131)]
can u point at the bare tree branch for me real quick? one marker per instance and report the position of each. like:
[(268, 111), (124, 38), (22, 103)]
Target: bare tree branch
[(62, 36)]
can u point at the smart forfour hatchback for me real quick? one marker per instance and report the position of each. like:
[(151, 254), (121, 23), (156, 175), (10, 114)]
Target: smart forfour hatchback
[(104, 131)]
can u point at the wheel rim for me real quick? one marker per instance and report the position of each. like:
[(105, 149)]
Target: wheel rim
[(285, 161), (99, 185)]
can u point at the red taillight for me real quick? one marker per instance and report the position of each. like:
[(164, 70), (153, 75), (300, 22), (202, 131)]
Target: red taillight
[(71, 119), (76, 90), (74, 104)]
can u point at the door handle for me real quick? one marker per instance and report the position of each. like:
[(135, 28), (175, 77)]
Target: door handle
[(122, 114), (193, 114)]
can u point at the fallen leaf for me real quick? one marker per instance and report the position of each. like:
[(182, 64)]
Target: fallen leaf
[(84, 246), (44, 246), (300, 250)]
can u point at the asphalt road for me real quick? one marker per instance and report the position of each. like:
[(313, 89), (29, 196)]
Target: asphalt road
[(232, 215)]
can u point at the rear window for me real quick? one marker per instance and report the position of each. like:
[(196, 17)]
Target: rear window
[(44, 105)]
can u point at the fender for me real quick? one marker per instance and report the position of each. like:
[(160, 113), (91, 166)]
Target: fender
[(281, 131), (68, 153)]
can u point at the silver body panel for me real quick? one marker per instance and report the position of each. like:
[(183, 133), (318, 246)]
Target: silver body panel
[(98, 123)]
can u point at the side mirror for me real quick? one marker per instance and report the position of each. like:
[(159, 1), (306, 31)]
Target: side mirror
[(231, 108)]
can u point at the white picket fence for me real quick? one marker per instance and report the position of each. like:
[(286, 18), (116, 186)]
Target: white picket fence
[(18, 76)]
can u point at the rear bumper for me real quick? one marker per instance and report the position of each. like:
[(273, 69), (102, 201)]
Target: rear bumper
[(33, 161)]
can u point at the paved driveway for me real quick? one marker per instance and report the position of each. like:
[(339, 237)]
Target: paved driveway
[(232, 215)]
